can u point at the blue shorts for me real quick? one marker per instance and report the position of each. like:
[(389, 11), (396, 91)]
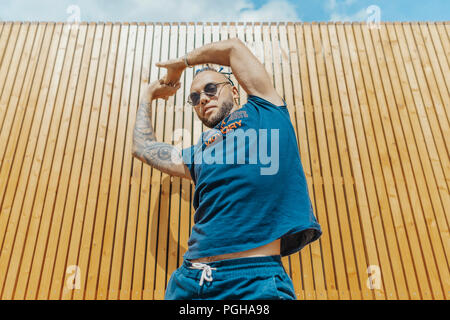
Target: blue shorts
[(252, 278)]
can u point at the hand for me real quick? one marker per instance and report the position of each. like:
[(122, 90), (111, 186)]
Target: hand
[(175, 68), (159, 90)]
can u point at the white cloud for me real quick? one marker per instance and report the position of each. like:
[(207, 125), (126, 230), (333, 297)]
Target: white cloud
[(338, 11), (149, 10), (361, 15)]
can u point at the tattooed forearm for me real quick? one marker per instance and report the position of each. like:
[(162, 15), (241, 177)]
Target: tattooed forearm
[(143, 129), (162, 156)]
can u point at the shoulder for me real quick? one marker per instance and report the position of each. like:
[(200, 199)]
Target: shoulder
[(266, 100)]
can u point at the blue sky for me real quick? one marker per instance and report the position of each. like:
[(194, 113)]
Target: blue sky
[(223, 10)]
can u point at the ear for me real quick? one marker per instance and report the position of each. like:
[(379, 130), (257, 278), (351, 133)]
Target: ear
[(235, 92)]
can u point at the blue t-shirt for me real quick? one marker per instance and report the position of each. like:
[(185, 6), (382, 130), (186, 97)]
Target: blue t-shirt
[(250, 188)]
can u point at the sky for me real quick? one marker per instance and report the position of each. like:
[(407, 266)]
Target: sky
[(223, 10)]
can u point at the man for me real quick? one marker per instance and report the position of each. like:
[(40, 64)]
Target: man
[(247, 215)]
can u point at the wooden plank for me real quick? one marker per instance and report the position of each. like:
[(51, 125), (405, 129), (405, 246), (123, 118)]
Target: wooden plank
[(65, 264), (163, 129), (383, 116), (409, 133), (322, 277), (102, 159), (277, 60), (433, 107), (197, 31), (122, 166), (28, 98), (424, 198), (411, 168), (142, 181), (306, 290), (439, 64), (111, 176), (29, 139), (442, 172), (10, 92), (28, 188), (293, 90), (173, 127), (4, 37), (188, 187), (359, 168), (296, 100), (322, 114), (152, 233), (433, 84), (45, 193), (10, 55), (10, 71), (8, 138), (86, 244), (131, 220), (350, 227)]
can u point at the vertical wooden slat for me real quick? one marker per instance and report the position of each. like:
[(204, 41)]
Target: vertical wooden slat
[(102, 163), (379, 112), (387, 193), (423, 203), (288, 69), (340, 288), (95, 131), (142, 181), (152, 233), (173, 183), (110, 167), (10, 57), (187, 190), (29, 99), (407, 186), (42, 198), (297, 101), (341, 66), (162, 198), (25, 162), (42, 160), (323, 274), (302, 114), (10, 135), (122, 165), (132, 216), (66, 256)]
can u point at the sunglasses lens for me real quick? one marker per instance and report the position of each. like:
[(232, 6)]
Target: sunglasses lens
[(195, 98), (210, 89)]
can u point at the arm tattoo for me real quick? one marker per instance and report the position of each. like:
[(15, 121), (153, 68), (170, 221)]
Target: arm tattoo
[(143, 129), (160, 155)]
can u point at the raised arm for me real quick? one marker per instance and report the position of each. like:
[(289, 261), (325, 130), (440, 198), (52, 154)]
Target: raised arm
[(162, 156), (248, 70)]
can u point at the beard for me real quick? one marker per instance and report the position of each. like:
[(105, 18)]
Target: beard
[(220, 115)]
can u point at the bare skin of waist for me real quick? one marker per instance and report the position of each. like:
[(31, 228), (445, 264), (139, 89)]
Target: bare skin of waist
[(270, 249)]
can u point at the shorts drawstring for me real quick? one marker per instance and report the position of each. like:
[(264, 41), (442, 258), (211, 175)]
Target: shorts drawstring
[(206, 273)]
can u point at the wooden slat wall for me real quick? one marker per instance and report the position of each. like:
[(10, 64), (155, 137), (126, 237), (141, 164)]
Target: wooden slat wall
[(80, 218)]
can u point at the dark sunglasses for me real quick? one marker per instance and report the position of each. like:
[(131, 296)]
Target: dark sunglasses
[(210, 89)]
